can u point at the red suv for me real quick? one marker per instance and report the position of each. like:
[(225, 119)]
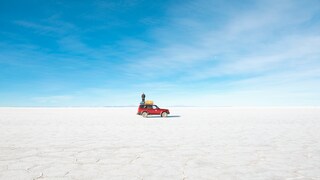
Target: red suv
[(146, 110)]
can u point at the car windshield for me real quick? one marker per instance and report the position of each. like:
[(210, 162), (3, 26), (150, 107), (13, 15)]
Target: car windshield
[(155, 107)]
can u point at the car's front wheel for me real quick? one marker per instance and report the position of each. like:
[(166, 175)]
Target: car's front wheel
[(164, 114), (144, 114)]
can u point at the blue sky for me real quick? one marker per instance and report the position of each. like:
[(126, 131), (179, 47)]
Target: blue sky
[(202, 52)]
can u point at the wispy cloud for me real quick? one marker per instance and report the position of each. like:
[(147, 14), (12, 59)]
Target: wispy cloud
[(259, 39), (234, 50), (48, 26)]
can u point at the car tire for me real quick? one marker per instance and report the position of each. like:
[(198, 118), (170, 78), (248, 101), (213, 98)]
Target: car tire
[(144, 114), (164, 114)]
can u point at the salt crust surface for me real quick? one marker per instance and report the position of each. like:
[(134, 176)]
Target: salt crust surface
[(192, 143)]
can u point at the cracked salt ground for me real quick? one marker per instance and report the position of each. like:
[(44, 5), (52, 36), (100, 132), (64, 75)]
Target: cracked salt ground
[(198, 143)]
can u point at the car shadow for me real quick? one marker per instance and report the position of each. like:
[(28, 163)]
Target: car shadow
[(173, 116)]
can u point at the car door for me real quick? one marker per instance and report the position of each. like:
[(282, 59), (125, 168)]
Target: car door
[(155, 110), (150, 109)]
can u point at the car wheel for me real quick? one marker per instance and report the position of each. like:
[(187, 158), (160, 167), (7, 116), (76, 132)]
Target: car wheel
[(164, 114), (144, 114)]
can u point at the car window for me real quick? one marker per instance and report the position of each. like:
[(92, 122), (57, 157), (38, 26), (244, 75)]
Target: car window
[(143, 106)]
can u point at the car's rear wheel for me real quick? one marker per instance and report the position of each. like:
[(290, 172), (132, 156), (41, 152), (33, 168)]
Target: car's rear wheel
[(144, 114), (164, 114)]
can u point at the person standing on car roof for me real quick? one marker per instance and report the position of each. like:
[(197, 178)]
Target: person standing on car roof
[(143, 97)]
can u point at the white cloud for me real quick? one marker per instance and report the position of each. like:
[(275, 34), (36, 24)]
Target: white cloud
[(253, 50), (247, 43), (49, 26)]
